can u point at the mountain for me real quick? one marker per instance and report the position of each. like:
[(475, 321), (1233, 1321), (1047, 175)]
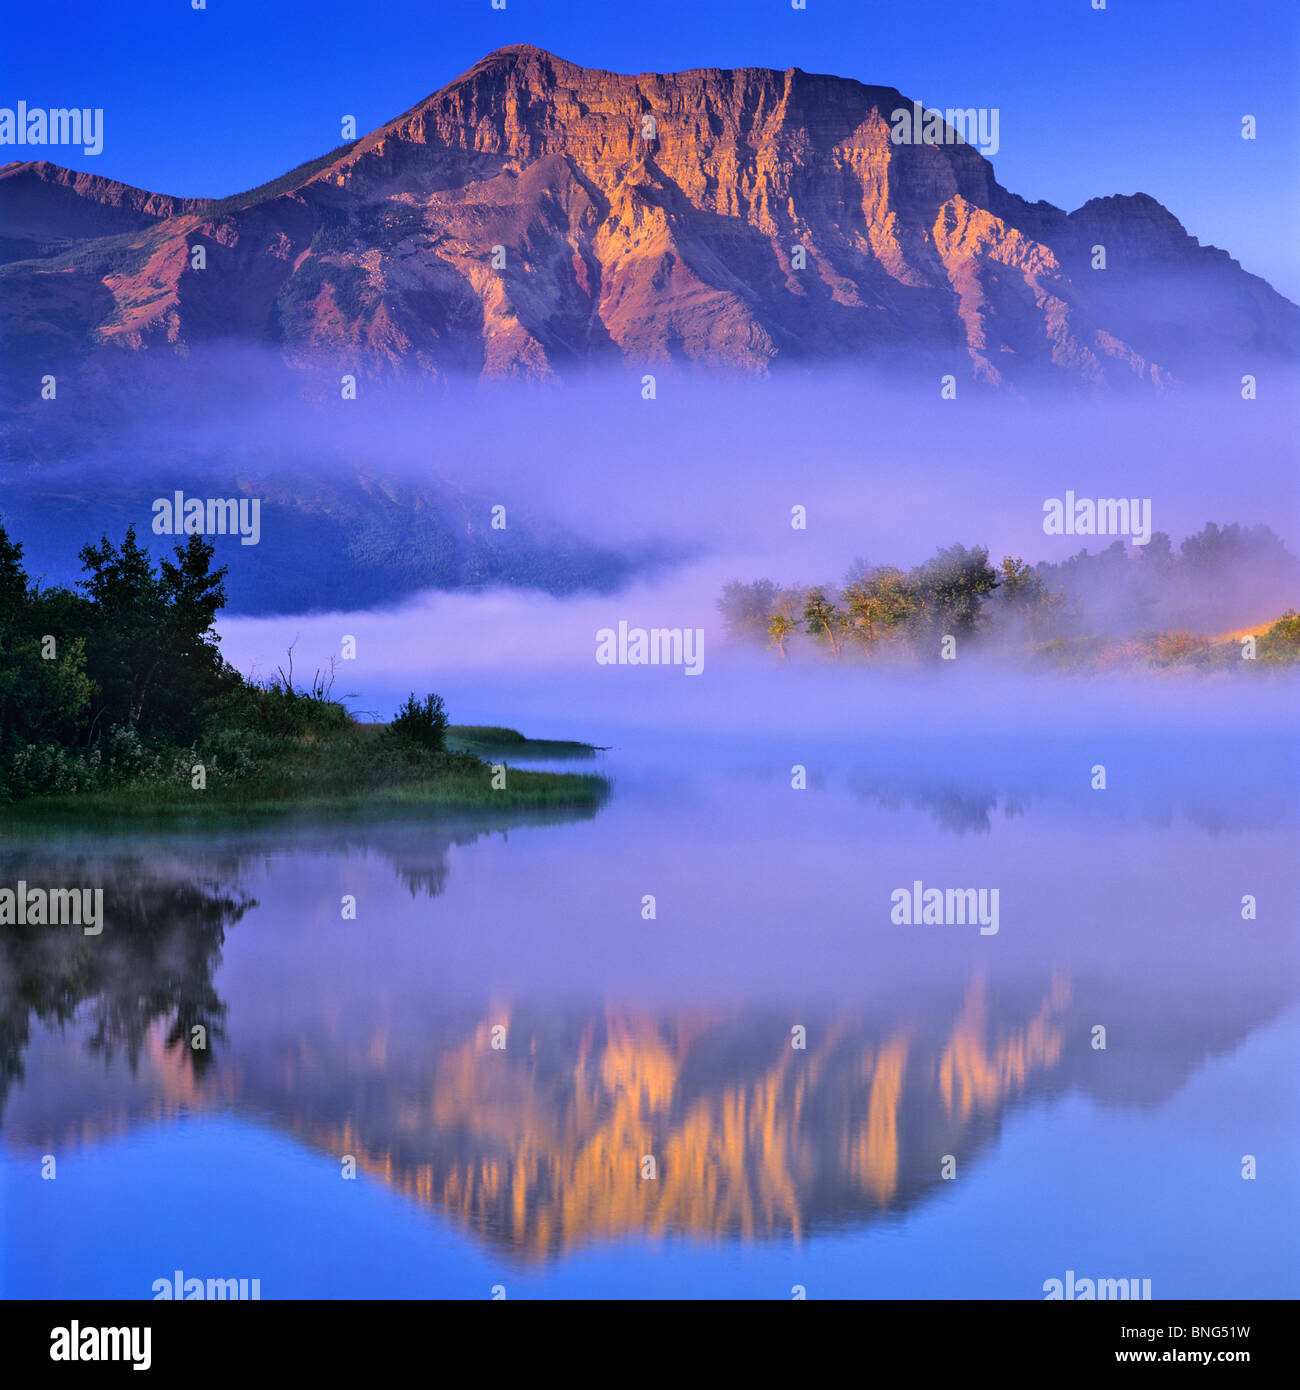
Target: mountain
[(334, 540), (629, 244)]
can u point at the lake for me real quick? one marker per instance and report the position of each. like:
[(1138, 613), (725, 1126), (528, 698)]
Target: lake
[(766, 1086)]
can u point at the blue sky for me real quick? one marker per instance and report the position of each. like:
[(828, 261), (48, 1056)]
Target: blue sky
[(1146, 95)]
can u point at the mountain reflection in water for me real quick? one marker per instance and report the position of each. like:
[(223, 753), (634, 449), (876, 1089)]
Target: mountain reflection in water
[(375, 1038)]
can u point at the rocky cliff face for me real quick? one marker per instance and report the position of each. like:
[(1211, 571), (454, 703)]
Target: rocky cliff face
[(534, 217)]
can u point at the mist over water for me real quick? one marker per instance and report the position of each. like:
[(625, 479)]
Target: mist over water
[(772, 808), (507, 656), (616, 487)]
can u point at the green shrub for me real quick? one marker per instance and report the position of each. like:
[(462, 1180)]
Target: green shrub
[(422, 723), (279, 709), (45, 769), (1280, 645)]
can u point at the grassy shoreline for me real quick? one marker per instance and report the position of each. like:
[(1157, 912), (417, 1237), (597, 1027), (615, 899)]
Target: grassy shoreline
[(348, 774), (485, 739)]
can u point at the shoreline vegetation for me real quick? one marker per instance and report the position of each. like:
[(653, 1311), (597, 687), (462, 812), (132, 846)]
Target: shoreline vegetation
[(351, 773), (1152, 609), (488, 740), (115, 703)]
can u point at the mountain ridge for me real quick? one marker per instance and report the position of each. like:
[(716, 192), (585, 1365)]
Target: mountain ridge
[(646, 220)]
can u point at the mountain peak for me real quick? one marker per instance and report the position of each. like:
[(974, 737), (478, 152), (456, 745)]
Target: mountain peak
[(514, 55), (517, 50), (532, 216)]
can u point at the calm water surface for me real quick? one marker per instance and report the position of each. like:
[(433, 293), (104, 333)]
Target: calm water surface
[(929, 1049)]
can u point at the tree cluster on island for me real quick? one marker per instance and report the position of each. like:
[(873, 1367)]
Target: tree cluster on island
[(1145, 604)]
